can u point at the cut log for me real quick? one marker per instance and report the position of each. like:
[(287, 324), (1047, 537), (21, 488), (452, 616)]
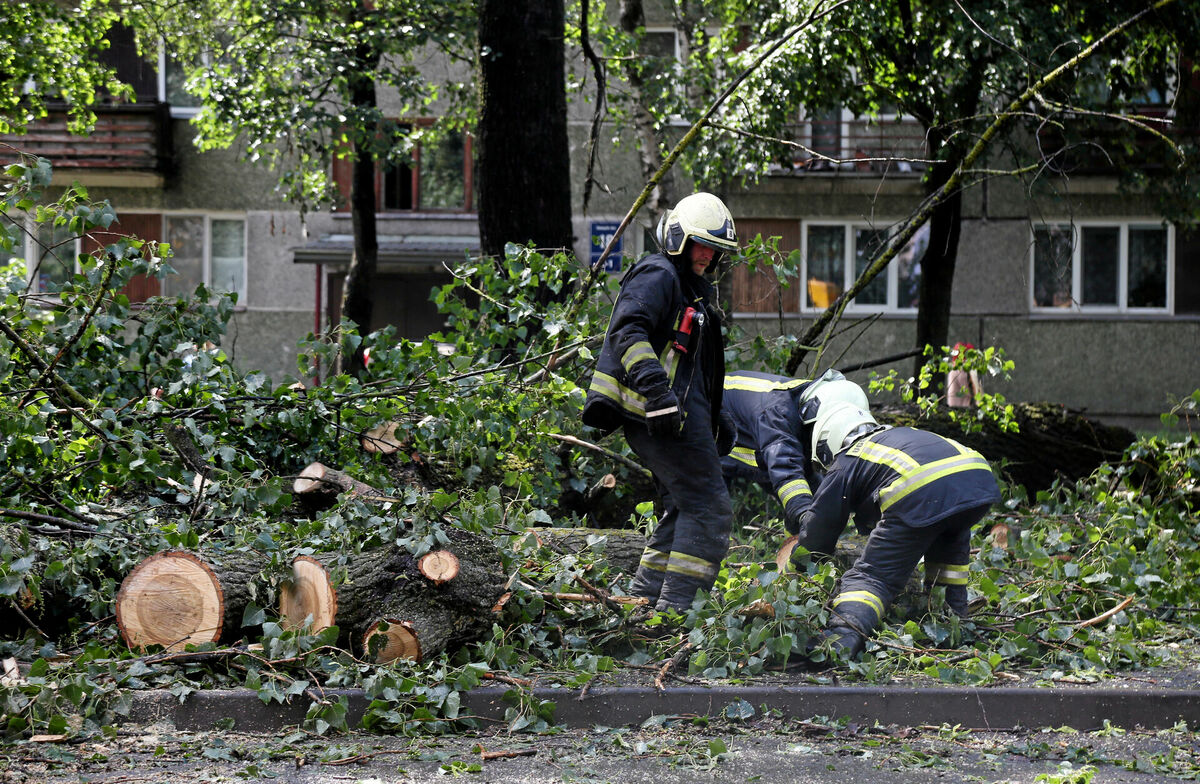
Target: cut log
[(603, 486), (382, 439), (439, 567), (175, 598), (386, 594), (309, 594), (318, 486), (622, 547)]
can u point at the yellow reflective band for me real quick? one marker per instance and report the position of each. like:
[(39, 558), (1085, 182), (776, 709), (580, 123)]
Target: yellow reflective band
[(744, 454), (792, 489), (636, 353), (885, 455), (670, 362), (609, 387), (654, 559), (862, 597), (930, 473), (691, 566), (947, 574), (754, 384)]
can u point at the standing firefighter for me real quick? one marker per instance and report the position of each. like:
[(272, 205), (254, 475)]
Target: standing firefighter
[(773, 416), (659, 376), (917, 494)]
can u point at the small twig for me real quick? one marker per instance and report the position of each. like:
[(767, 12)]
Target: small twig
[(597, 448), (491, 755), (682, 655), (35, 517), (1104, 616)]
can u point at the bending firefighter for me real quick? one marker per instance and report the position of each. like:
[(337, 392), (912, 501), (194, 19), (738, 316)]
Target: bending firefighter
[(773, 416), (917, 494), (659, 376)]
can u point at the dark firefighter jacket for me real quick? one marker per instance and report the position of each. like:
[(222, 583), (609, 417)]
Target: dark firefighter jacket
[(638, 360), (770, 435), (913, 476)]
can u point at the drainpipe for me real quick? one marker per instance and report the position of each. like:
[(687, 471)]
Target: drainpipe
[(317, 321)]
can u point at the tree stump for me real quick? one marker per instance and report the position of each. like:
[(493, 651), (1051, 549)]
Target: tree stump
[(622, 548), (416, 607), (174, 598)]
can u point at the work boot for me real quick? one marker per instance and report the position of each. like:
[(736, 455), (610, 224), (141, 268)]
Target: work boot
[(956, 600), (843, 642)]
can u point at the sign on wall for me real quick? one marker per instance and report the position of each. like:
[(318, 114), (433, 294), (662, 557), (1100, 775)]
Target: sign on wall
[(602, 233)]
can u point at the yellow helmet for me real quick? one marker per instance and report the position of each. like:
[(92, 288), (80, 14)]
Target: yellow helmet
[(702, 218), (837, 426)]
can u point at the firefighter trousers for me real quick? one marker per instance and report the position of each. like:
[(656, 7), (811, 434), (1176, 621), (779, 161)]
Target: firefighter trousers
[(891, 553), (685, 550)]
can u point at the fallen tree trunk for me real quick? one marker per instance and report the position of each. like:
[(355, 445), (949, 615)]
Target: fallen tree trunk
[(174, 598), (622, 547), (389, 604), (1053, 442)]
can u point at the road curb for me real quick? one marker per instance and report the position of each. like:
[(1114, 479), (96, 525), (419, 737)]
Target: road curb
[(1082, 708)]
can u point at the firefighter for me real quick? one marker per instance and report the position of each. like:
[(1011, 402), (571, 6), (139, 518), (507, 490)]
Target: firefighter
[(659, 376), (915, 493), (773, 416)]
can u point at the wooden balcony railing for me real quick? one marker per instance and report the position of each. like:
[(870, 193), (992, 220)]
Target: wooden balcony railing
[(127, 137)]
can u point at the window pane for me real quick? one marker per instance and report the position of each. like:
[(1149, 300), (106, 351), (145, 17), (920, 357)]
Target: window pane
[(826, 264), (186, 235), (54, 257), (908, 269), (441, 171), (397, 187), (867, 244), (229, 257), (175, 78), (1052, 260), (1100, 257), (1147, 268)]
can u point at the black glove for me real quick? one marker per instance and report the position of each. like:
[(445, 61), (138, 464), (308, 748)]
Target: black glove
[(795, 524), (663, 418), (726, 434)]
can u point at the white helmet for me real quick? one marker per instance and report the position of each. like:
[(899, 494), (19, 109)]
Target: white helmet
[(837, 426), (701, 217), (830, 388)]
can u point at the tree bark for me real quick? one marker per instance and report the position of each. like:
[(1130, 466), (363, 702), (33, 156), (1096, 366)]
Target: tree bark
[(174, 598), (524, 156), (384, 592), (318, 486), (622, 548), (357, 298)]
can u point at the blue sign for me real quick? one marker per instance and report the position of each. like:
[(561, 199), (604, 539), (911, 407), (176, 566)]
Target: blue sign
[(602, 234)]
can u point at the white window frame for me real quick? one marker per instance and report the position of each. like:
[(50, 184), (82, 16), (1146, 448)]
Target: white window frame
[(848, 273), (177, 111), (206, 256), (1122, 306)]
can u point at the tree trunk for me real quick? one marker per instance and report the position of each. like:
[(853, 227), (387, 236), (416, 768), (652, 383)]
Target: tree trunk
[(937, 276), (524, 158), (622, 547), (318, 487), (357, 298), (416, 609), (174, 598), (633, 17)]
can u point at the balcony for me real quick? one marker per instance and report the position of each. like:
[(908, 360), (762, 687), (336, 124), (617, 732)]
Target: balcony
[(130, 144), (858, 144)]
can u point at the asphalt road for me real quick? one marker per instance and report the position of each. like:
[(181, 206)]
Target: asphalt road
[(667, 752)]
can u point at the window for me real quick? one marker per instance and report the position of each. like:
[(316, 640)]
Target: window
[(50, 257), (206, 249), (1113, 267), (832, 257), (437, 179), (835, 255)]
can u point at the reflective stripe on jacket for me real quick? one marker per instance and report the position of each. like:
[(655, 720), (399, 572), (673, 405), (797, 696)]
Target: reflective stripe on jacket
[(770, 436), (638, 363), (913, 476)]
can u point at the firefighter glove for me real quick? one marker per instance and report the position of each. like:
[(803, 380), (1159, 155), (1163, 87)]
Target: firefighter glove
[(726, 434), (663, 418)]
